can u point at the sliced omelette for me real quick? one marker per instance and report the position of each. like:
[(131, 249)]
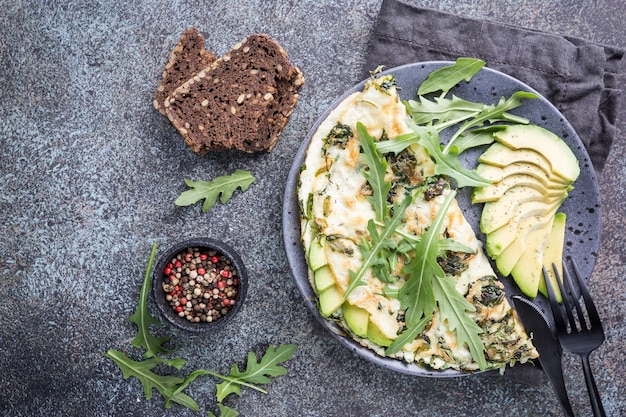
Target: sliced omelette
[(336, 203)]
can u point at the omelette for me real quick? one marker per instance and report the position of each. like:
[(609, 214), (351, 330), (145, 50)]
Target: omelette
[(335, 197)]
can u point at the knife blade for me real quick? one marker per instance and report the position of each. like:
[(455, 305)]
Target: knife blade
[(549, 348)]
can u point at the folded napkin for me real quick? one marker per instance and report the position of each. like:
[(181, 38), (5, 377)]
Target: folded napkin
[(579, 77)]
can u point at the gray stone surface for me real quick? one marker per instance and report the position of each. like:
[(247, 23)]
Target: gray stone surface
[(89, 172)]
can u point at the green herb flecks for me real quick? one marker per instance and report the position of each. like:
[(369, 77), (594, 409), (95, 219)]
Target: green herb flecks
[(221, 187), (338, 136), (445, 163), (386, 84)]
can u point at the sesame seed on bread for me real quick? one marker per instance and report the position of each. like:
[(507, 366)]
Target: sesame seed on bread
[(241, 101), (187, 59)]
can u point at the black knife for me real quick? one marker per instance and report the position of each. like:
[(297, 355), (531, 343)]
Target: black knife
[(549, 348)]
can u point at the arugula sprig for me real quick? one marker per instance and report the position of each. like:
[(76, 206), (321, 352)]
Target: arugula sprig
[(221, 187), (374, 173), (166, 385), (375, 251), (143, 319), (256, 372)]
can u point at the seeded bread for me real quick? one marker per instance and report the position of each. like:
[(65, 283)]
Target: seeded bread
[(241, 101), (186, 60)]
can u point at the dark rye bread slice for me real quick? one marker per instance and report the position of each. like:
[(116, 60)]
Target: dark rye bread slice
[(186, 60), (241, 101)]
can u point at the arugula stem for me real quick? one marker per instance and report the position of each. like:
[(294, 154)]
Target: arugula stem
[(444, 125), (402, 233), (236, 381)]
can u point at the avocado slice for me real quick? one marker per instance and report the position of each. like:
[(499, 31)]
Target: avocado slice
[(537, 139), (323, 279), (330, 300), (497, 174), (357, 319), (375, 335), (553, 254), (500, 155), (527, 271), (317, 255)]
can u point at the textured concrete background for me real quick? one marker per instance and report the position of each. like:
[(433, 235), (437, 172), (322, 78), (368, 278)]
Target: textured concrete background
[(89, 172)]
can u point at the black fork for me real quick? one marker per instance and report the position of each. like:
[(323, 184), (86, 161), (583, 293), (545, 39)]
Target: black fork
[(575, 333)]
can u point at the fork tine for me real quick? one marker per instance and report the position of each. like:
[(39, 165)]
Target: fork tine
[(592, 312), (572, 302), (557, 312)]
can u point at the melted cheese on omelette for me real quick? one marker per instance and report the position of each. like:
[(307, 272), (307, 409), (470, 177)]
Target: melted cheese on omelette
[(333, 195)]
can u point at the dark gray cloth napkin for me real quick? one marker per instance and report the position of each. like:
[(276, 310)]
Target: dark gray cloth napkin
[(580, 78)]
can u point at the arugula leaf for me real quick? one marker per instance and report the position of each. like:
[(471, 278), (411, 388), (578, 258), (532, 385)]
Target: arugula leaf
[(474, 138), (381, 242), (166, 385), (446, 244), (442, 112), (190, 378), (256, 372), (221, 187), (448, 163), (374, 173), (401, 142), (143, 319), (447, 77), (453, 308), (225, 411)]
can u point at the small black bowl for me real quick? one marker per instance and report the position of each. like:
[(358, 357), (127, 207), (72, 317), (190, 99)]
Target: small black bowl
[(227, 256)]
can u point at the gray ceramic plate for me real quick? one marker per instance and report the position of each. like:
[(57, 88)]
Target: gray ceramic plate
[(582, 207)]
